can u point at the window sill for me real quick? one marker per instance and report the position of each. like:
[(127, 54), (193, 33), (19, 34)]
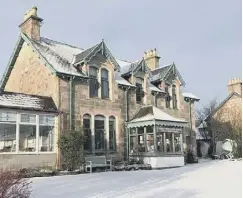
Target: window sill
[(98, 98), (27, 153)]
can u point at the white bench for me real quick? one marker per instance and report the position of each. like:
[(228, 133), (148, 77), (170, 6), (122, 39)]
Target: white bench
[(97, 162)]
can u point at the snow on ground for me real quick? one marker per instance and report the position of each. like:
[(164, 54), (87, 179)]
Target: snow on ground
[(211, 179)]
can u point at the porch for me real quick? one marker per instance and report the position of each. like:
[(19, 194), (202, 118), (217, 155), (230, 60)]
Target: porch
[(156, 137)]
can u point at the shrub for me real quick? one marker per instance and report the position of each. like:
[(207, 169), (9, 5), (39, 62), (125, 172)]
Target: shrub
[(71, 146), (13, 185)]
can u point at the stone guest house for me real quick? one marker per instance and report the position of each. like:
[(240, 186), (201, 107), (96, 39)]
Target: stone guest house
[(50, 87)]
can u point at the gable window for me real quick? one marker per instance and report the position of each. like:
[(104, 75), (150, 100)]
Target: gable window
[(93, 82), (167, 96), (99, 132), (112, 133), (174, 97), (87, 132), (139, 90), (104, 84)]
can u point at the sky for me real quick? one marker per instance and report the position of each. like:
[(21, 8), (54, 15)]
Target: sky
[(202, 37)]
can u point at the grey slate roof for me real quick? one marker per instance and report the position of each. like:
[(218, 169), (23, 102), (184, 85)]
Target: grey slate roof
[(12, 100), (83, 54), (160, 72)]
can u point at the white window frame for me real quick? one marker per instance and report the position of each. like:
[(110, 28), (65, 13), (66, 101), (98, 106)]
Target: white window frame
[(12, 123), (54, 134), (18, 123)]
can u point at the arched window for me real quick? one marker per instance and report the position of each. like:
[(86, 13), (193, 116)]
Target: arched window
[(174, 97), (93, 82), (104, 83), (87, 132), (99, 132), (112, 133)]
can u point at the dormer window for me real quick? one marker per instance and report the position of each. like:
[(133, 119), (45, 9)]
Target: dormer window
[(93, 82), (174, 97), (167, 96), (104, 84), (139, 90)]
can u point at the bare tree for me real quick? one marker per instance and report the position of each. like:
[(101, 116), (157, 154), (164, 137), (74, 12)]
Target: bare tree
[(229, 126), (203, 115), (13, 185)]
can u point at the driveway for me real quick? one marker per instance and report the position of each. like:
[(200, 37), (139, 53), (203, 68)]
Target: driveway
[(208, 179)]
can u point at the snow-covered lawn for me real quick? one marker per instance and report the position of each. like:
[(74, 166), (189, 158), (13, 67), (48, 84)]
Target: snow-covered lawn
[(212, 179)]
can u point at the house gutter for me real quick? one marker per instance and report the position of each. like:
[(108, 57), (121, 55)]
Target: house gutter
[(126, 121), (71, 102)]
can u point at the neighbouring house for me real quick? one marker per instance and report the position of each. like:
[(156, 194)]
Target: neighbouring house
[(123, 108), (226, 120)]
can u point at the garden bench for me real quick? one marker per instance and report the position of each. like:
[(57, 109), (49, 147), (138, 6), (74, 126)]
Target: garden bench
[(97, 163)]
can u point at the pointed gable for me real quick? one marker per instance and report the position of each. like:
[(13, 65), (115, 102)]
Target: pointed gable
[(88, 54), (164, 73), (135, 67)]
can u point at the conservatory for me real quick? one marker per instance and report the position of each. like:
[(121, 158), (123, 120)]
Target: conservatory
[(157, 137), (28, 131)]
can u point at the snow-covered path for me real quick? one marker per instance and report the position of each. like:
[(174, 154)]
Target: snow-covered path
[(217, 179)]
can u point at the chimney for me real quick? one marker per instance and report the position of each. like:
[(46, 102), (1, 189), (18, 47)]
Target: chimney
[(31, 24), (235, 85), (152, 59)]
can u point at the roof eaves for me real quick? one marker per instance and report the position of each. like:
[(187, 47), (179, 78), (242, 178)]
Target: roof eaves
[(61, 74), (110, 57), (31, 109)]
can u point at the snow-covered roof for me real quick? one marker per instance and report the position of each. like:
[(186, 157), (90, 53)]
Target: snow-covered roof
[(121, 81), (158, 73), (59, 55), (27, 102), (60, 58), (190, 95), (153, 113)]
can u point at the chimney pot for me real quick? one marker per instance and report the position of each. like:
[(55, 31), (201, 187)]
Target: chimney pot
[(152, 59), (31, 24)]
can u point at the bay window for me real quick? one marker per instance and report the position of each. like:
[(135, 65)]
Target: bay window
[(99, 132), (112, 133), (87, 132), (27, 133), (7, 132), (150, 138), (178, 142), (141, 140), (169, 142), (46, 133), (24, 132)]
